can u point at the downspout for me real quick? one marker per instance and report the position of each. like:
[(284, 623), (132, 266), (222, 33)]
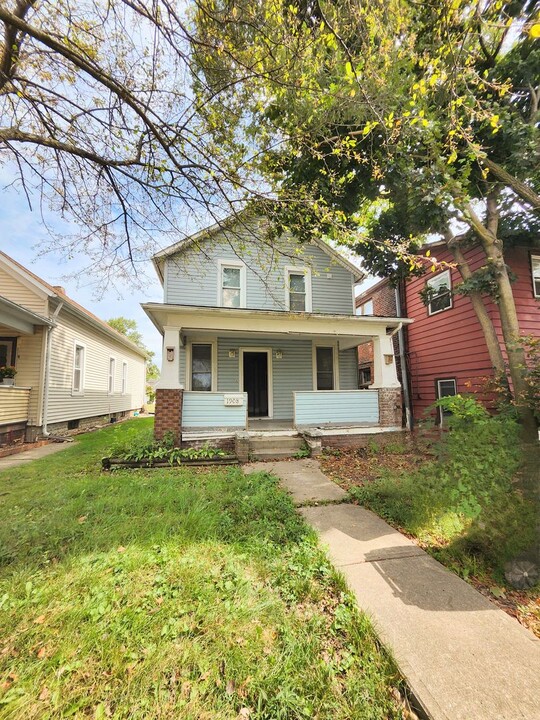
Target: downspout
[(403, 363), (50, 328)]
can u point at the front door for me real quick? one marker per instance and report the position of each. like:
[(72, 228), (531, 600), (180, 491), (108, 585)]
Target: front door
[(255, 366)]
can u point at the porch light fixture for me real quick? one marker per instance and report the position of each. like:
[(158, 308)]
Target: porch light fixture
[(232, 353), (388, 359), (279, 354), (170, 354)]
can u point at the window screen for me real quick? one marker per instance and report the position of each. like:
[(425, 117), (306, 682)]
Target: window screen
[(297, 292), (201, 367), (230, 287), (325, 368)]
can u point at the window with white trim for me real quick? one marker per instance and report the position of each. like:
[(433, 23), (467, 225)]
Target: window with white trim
[(446, 387), (112, 366), (7, 351), (78, 368), (201, 367), (366, 308), (440, 295), (298, 289), (324, 358), (124, 378), (232, 285), (535, 269)]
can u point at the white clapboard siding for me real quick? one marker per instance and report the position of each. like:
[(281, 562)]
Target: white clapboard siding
[(13, 404), (64, 403), (18, 292)]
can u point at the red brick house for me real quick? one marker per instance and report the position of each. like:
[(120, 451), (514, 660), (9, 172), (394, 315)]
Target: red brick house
[(443, 352)]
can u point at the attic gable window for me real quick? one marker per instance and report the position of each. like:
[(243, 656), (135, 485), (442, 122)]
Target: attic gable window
[(298, 289), (232, 285), (439, 293), (535, 267)]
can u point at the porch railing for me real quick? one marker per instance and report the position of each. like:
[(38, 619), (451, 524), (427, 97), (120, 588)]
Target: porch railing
[(13, 404), (214, 410), (336, 407)]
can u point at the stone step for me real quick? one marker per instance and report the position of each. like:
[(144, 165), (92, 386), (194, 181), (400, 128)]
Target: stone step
[(280, 443), (263, 455)]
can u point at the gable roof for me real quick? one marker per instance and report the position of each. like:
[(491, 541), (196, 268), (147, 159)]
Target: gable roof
[(44, 288), (211, 230)]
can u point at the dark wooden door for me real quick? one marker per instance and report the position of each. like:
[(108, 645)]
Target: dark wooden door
[(256, 383)]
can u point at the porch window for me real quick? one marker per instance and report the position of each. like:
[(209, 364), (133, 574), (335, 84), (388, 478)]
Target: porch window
[(325, 368), (364, 376), (201, 367), (7, 351), (78, 368), (124, 378), (439, 292), (535, 266), (446, 387), (112, 366), (232, 285)]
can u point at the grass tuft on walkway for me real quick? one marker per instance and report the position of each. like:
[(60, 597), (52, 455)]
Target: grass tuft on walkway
[(177, 593)]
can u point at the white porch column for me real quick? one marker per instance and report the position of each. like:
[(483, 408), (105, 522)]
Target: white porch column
[(170, 361), (384, 363)]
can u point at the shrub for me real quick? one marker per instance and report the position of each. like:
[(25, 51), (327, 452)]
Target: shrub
[(141, 447), (469, 495)]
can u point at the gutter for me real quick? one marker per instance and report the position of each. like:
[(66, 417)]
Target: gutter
[(46, 378)]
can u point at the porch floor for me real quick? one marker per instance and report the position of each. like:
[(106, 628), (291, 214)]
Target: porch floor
[(284, 428)]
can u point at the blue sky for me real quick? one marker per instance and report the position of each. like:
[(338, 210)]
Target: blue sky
[(21, 233)]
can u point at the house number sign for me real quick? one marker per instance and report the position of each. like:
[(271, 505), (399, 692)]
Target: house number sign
[(233, 400)]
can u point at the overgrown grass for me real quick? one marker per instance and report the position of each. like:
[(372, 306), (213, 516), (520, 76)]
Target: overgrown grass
[(173, 594), (468, 505)]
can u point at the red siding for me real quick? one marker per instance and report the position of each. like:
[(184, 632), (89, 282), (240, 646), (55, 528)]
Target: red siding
[(451, 344)]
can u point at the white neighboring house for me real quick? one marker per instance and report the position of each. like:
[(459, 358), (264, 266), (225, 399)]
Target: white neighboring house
[(72, 369)]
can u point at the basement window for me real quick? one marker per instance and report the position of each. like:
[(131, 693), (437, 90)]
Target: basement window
[(446, 387)]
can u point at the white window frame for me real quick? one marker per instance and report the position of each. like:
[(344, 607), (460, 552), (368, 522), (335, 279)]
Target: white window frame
[(237, 265), (292, 270), (111, 375), (360, 308), (269, 370), (335, 363), (535, 274), (124, 377), (438, 393), (214, 365), (10, 344), (82, 370), (429, 283)]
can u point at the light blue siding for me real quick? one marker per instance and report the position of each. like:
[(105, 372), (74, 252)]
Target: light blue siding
[(292, 372), (348, 369), (320, 408), (192, 275), (204, 409)]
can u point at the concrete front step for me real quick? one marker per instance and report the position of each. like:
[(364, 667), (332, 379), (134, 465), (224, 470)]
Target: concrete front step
[(283, 443)]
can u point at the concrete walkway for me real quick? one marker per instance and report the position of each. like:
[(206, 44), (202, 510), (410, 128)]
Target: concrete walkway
[(27, 456), (464, 659)]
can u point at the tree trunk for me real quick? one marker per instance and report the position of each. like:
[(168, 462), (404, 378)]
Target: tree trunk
[(493, 248), (492, 341)]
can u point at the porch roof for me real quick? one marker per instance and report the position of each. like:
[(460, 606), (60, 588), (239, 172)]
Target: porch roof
[(19, 319), (190, 318)]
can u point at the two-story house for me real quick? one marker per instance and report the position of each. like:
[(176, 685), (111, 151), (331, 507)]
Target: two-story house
[(444, 351), (264, 338)]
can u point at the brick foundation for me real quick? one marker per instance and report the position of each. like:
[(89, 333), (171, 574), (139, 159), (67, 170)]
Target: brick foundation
[(168, 417), (343, 442), (390, 408), (225, 443)]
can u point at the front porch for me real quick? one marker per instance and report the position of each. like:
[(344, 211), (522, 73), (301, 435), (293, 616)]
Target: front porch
[(227, 372)]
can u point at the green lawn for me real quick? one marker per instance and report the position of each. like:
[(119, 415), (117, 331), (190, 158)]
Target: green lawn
[(177, 593)]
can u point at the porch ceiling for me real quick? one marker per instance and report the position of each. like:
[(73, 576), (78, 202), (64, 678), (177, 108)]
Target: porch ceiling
[(351, 330), (18, 319)]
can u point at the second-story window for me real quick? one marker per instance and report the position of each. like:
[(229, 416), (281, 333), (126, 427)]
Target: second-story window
[(440, 295), (366, 308), (298, 289), (232, 285), (535, 266)]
